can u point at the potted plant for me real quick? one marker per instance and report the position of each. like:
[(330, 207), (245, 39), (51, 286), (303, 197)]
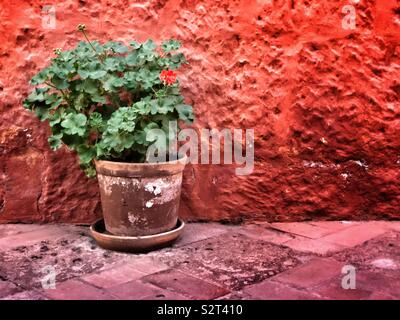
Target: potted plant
[(102, 100)]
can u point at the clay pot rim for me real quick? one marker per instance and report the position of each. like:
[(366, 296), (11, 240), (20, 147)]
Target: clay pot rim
[(182, 160), (137, 169)]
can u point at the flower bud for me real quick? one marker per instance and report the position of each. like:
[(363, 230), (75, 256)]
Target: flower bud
[(81, 27)]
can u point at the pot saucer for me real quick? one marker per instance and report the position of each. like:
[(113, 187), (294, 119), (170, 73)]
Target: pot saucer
[(109, 241)]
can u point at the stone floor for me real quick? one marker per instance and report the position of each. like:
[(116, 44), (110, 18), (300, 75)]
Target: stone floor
[(311, 260)]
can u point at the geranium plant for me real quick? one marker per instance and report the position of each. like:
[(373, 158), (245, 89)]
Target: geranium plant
[(101, 99)]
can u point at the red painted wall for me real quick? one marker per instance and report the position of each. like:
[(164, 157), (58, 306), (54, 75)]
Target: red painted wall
[(324, 102)]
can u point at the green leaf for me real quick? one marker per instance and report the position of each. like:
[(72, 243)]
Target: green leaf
[(37, 95), (166, 105), (135, 44), (89, 170), (75, 124), (113, 64), (55, 141), (97, 74), (60, 83), (170, 45), (84, 74), (41, 112), (113, 83), (185, 112), (90, 86), (147, 78), (149, 45), (176, 60), (99, 98), (96, 121), (39, 78), (117, 47), (142, 107), (54, 118), (119, 141), (133, 59), (86, 153), (54, 100), (80, 102)]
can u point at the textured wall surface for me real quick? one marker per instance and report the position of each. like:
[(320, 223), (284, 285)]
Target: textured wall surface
[(324, 102)]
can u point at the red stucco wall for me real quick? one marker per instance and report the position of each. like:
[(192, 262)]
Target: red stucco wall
[(324, 103)]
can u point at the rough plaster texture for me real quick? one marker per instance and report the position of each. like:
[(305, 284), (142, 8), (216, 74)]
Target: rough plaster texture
[(323, 100)]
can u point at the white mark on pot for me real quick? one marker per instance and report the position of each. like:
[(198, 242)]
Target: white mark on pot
[(137, 219), (149, 204), (132, 217), (156, 186), (108, 181), (104, 183), (164, 189)]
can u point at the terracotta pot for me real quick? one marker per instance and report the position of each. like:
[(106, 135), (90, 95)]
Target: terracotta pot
[(140, 199)]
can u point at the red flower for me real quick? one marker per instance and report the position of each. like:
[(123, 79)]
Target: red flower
[(168, 76)]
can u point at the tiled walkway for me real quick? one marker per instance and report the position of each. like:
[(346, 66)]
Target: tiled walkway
[(312, 260)]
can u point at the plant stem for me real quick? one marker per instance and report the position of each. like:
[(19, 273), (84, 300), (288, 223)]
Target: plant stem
[(61, 90), (51, 85), (87, 39)]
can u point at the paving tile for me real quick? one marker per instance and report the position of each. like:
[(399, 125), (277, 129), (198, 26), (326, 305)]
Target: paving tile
[(378, 282), (233, 260), (71, 256), (389, 225), (395, 225), (258, 232), (311, 274), (30, 238), (334, 225), (356, 235), (235, 295), (381, 296), (76, 290), (25, 295), (263, 224), (112, 277), (137, 290), (146, 264), (7, 230), (264, 262), (199, 231), (333, 291), (271, 290), (302, 229), (313, 246), (185, 284), (7, 288)]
